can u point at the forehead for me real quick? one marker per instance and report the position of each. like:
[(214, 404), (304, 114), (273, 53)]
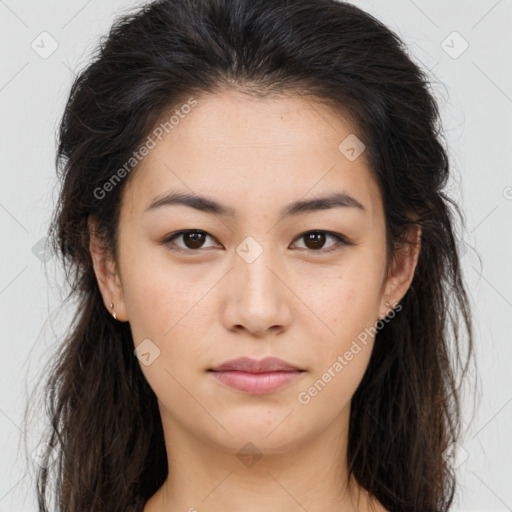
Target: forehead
[(242, 148)]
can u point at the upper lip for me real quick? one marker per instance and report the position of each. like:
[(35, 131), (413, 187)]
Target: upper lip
[(246, 364)]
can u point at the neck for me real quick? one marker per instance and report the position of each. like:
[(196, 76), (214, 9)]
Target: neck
[(309, 474)]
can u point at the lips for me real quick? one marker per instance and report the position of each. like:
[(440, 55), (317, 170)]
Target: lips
[(246, 364), (256, 377)]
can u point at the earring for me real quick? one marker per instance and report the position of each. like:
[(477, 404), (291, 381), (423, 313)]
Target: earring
[(382, 316), (114, 313)]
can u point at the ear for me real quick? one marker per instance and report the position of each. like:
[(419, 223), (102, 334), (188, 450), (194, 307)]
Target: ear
[(401, 271), (107, 274)]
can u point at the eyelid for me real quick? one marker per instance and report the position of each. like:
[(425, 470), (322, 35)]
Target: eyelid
[(169, 239), (341, 240)]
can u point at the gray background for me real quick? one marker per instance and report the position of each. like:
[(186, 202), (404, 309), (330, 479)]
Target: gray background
[(474, 90)]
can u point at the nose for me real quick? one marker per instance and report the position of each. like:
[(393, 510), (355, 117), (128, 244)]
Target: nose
[(257, 298)]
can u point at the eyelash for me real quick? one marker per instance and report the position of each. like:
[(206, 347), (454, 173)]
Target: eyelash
[(342, 241)]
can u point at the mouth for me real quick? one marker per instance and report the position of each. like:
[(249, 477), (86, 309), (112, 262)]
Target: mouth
[(256, 377)]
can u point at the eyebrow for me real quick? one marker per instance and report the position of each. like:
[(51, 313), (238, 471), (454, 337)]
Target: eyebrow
[(209, 205)]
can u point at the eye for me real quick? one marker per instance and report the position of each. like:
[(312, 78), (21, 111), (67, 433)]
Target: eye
[(193, 239), (315, 240)]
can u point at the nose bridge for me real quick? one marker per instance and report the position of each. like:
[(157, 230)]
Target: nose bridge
[(253, 263), (257, 298)]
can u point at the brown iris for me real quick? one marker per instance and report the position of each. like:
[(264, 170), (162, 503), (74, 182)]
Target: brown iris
[(317, 238), (196, 239)]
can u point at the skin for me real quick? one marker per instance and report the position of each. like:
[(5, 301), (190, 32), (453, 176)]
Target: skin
[(295, 301)]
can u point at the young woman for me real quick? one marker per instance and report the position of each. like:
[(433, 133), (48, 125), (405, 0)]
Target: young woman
[(252, 220)]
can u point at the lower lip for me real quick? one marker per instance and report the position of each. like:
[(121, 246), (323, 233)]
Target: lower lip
[(256, 383)]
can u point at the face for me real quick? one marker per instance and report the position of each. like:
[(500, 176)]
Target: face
[(255, 277)]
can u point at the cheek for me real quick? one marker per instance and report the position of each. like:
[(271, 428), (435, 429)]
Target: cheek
[(167, 308), (157, 293), (329, 392), (342, 352), (343, 341), (347, 303), (168, 312)]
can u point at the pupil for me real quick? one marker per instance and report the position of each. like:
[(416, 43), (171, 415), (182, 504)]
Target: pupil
[(195, 236), (320, 239)]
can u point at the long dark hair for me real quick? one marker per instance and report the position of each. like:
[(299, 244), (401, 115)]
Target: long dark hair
[(105, 429)]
